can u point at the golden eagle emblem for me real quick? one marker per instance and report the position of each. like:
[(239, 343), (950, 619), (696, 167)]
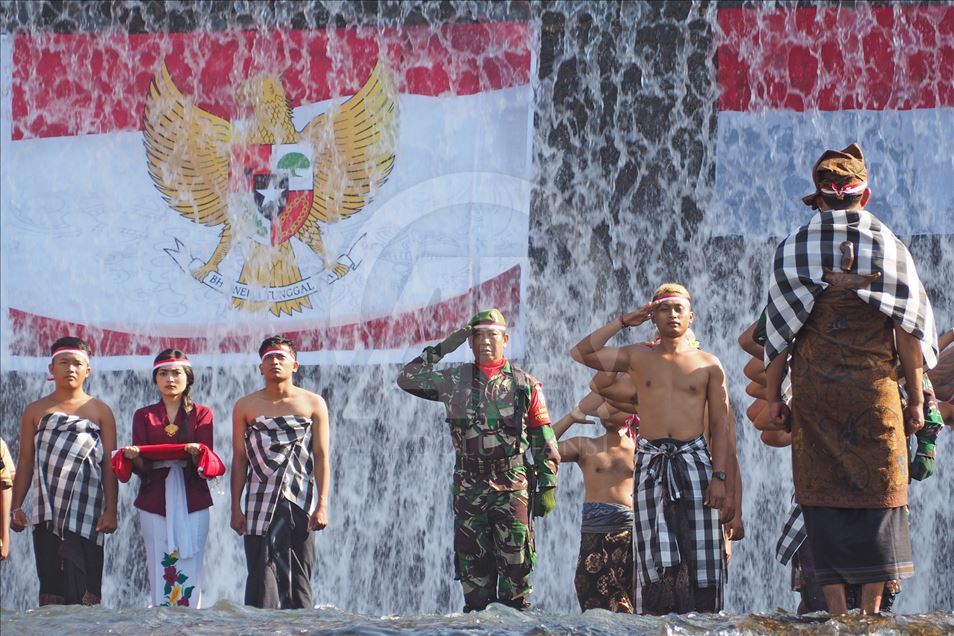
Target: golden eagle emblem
[(263, 182)]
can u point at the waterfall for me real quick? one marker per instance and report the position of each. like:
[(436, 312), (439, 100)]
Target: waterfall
[(626, 195)]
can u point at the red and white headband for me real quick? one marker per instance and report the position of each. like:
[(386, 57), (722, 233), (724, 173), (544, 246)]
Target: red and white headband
[(171, 362), (842, 191), (277, 351), (77, 352)]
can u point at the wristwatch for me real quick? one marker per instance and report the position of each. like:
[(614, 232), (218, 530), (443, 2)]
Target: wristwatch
[(718, 474)]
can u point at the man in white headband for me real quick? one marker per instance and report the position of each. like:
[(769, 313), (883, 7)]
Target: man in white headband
[(280, 458), (679, 488), (66, 440)]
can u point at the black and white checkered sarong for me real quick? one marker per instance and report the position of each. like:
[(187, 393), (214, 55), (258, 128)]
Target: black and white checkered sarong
[(68, 477), (793, 535), (799, 266), (667, 471), (280, 464)]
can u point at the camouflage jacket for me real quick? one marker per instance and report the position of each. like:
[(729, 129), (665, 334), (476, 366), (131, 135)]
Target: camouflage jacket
[(490, 419)]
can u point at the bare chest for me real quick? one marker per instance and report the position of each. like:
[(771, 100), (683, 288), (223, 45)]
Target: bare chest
[(84, 412), (287, 407), (615, 461), (669, 377)]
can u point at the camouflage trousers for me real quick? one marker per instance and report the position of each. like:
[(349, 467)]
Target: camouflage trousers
[(494, 551)]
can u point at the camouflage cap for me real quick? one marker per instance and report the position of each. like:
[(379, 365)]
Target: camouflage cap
[(491, 318), (838, 173)]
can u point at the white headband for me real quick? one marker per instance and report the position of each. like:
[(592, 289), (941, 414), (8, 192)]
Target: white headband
[(171, 363), (78, 352), (492, 326), (277, 352)]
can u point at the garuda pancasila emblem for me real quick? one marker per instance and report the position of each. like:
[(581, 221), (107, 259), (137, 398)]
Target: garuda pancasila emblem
[(260, 179)]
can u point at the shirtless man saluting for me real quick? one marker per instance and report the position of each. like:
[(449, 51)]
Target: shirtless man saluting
[(679, 489)]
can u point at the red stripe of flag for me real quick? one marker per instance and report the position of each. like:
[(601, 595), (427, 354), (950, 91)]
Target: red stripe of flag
[(97, 83), (837, 58), (34, 334)]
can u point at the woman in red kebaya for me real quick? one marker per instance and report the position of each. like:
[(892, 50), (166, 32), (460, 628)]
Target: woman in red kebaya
[(174, 497)]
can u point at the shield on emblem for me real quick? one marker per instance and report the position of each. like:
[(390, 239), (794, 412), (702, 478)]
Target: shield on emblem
[(271, 194), (278, 181)]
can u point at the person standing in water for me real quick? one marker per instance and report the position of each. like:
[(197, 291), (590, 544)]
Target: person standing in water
[(679, 488), (281, 460), (66, 440), (174, 497), (496, 412), (604, 568), (845, 304)]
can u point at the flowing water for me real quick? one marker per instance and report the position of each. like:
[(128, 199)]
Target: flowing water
[(625, 197)]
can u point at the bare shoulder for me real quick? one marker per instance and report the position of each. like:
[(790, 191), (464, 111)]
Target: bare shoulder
[(247, 400), (639, 349), (309, 397), (100, 406), (705, 360), (639, 355), (317, 401), (35, 410), (100, 410), (708, 360), (244, 404), (39, 405), (240, 403), (315, 397)]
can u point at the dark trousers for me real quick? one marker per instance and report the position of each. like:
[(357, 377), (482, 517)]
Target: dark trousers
[(70, 568), (280, 561), (676, 592)]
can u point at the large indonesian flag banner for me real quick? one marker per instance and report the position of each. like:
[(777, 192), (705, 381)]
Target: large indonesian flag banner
[(363, 191), (797, 81)]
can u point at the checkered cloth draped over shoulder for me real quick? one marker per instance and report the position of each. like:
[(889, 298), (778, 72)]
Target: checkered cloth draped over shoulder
[(665, 470), (68, 479), (793, 535), (280, 464), (799, 266)]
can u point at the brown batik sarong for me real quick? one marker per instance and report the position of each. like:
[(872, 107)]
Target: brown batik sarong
[(848, 443), (604, 569)]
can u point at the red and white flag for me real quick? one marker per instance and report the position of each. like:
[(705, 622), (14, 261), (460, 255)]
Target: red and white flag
[(361, 190), (795, 82)]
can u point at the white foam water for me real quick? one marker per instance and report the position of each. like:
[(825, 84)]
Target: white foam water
[(625, 101)]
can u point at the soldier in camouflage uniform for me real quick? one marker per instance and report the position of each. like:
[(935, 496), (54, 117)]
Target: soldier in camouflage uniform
[(496, 413)]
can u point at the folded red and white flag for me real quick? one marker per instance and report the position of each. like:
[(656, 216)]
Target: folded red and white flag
[(210, 465)]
